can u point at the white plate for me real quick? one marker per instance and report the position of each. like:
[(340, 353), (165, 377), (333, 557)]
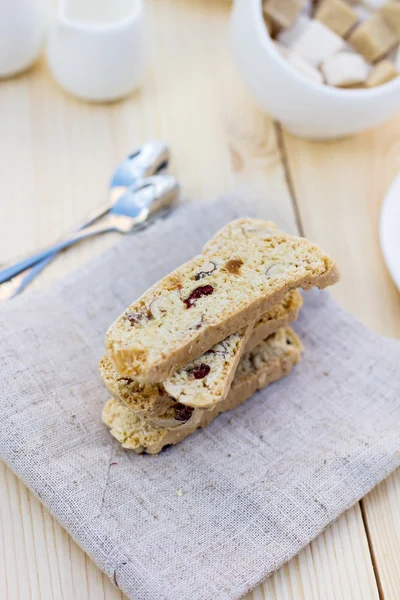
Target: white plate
[(390, 230)]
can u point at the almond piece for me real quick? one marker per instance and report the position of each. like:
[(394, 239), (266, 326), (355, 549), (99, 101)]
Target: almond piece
[(275, 270), (207, 269), (162, 304)]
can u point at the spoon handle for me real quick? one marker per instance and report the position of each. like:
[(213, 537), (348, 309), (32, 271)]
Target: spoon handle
[(115, 223), (34, 271)]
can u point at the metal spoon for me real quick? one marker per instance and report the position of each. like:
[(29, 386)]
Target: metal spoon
[(133, 208), (149, 159)]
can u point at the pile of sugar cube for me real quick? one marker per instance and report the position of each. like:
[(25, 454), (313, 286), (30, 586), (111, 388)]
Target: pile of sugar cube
[(342, 43)]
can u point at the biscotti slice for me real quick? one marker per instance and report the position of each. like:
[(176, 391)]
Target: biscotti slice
[(143, 399), (266, 351), (152, 400), (201, 383), (177, 415), (268, 362), (275, 318), (247, 231), (241, 231), (210, 297), (206, 380)]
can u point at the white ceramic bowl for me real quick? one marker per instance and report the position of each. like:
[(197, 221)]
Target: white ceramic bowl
[(305, 108), (97, 48)]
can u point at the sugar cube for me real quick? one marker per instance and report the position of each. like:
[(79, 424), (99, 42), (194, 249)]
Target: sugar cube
[(268, 25), (291, 35), (283, 13), (304, 68), (363, 13), (317, 43), (391, 15), (373, 38), (283, 50), (337, 15), (345, 69), (381, 73), (392, 55), (308, 8), (374, 4)]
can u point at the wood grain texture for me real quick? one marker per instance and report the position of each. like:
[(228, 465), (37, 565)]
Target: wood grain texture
[(325, 569), (382, 510), (339, 189), (56, 155)]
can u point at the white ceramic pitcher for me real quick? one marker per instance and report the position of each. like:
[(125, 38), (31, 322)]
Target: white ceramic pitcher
[(96, 48), (23, 25)]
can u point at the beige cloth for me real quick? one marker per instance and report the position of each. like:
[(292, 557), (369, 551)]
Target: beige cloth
[(256, 486)]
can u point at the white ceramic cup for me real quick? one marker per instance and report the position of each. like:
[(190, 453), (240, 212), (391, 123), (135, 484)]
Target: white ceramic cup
[(96, 48), (305, 108), (23, 25)]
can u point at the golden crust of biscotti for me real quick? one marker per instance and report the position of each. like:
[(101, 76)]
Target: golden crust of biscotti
[(144, 399), (248, 230), (213, 296), (268, 362), (277, 317), (152, 399)]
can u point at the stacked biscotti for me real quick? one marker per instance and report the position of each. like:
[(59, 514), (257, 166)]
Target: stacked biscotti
[(211, 333)]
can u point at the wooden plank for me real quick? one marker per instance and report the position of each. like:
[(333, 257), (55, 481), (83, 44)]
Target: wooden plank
[(382, 516), (193, 99), (325, 569), (340, 187), (38, 559)]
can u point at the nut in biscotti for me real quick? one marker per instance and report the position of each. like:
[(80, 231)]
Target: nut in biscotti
[(151, 348)]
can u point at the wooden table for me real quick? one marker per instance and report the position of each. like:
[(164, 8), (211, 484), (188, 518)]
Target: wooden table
[(56, 155)]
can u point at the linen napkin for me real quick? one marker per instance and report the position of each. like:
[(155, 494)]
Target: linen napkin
[(215, 515)]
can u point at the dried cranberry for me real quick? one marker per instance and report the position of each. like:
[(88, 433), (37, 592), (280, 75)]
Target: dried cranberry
[(201, 371), (221, 350), (203, 290), (182, 412)]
